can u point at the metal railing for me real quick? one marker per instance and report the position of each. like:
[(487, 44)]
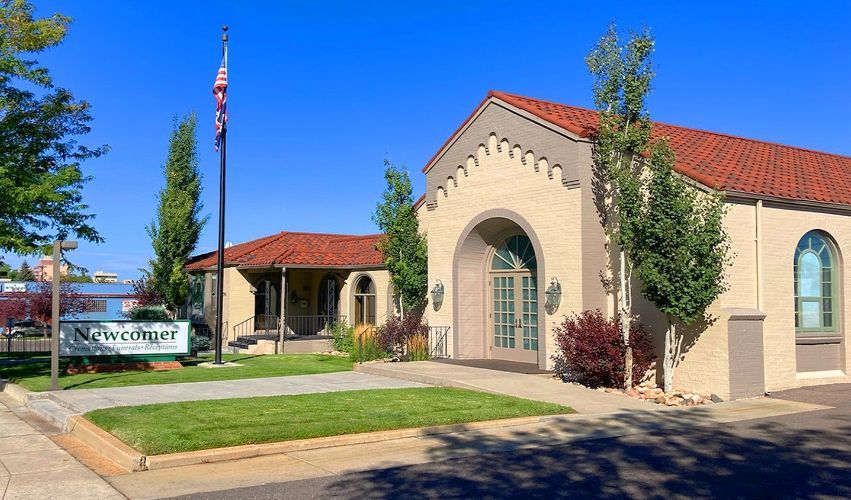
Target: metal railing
[(312, 324), (368, 346), (255, 326), (438, 346), (14, 346)]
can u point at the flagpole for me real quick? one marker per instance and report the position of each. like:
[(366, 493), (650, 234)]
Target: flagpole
[(220, 264)]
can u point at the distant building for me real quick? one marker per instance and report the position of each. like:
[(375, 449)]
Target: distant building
[(43, 271), (104, 277), (104, 301)]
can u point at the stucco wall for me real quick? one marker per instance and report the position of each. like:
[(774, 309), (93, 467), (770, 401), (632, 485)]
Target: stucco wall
[(383, 294), (239, 302)]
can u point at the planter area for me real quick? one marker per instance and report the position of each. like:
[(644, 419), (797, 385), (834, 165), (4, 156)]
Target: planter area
[(648, 391)]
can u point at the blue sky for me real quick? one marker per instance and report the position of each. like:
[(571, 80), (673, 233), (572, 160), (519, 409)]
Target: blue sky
[(321, 92)]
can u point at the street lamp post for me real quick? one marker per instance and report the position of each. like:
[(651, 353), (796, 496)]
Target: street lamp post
[(58, 246)]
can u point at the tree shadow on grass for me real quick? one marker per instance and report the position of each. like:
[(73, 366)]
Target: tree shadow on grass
[(670, 456)]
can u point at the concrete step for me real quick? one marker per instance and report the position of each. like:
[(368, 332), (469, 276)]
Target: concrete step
[(52, 412), (307, 346), (247, 340)]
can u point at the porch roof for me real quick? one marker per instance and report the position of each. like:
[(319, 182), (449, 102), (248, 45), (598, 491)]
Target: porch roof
[(298, 250)]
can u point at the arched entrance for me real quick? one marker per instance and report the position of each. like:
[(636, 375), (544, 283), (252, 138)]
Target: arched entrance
[(513, 304), (498, 266), (329, 297)]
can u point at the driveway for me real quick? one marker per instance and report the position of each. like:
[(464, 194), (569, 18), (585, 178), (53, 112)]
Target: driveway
[(799, 455)]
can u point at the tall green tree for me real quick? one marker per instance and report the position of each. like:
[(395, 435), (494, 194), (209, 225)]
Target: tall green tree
[(174, 234), (681, 250), (404, 248), (622, 76), (40, 126)]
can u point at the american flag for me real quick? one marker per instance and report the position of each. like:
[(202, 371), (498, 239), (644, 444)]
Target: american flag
[(220, 92)]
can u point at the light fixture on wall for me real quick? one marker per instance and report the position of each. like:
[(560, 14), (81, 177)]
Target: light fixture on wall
[(437, 295), (553, 295)]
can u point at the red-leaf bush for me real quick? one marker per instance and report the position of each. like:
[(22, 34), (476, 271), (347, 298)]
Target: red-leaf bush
[(591, 350), (405, 338)]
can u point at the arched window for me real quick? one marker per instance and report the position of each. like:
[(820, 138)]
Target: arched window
[(815, 284), (514, 253), (364, 301)]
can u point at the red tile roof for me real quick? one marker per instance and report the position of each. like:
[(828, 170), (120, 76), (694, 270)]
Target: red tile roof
[(720, 161), (298, 249)]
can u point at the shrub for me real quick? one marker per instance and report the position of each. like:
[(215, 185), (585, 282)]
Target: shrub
[(406, 339), (201, 343), (149, 313), (591, 350), (366, 344), (343, 336)]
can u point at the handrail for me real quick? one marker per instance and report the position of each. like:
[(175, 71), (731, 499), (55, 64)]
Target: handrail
[(268, 324), (438, 347)]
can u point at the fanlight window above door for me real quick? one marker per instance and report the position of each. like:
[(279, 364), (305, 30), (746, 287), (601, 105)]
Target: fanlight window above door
[(515, 253)]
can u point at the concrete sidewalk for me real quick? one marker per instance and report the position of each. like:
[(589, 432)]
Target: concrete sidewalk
[(521, 385), (33, 466), (546, 432), (85, 400)]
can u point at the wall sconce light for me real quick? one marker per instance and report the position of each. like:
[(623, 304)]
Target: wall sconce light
[(553, 295), (437, 295)]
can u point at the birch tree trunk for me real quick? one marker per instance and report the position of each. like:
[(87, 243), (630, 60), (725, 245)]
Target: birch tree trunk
[(670, 355), (626, 306)]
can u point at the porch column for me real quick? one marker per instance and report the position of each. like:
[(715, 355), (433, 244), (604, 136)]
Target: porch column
[(282, 329)]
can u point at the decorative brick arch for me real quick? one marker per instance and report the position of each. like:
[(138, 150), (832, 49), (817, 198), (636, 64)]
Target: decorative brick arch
[(469, 281)]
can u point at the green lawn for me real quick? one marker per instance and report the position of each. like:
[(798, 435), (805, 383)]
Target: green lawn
[(36, 376), (197, 425)]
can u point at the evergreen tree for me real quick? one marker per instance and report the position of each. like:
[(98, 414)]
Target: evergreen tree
[(178, 225), (404, 248), (40, 156), (25, 273)]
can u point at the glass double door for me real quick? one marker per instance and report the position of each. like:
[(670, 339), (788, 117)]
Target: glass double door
[(514, 316)]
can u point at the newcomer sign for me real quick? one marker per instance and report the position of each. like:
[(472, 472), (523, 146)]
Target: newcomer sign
[(116, 338)]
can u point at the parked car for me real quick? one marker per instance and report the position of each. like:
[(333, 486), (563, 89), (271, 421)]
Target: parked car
[(28, 328)]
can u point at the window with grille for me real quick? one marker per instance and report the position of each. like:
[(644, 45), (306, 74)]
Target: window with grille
[(96, 305)]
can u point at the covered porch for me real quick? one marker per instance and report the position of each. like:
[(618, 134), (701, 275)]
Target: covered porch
[(303, 304)]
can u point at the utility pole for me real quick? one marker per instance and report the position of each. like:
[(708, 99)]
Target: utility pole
[(58, 246)]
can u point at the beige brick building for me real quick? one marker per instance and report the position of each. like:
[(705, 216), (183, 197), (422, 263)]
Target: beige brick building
[(509, 211)]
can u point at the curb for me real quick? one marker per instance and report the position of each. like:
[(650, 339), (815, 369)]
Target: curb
[(18, 392), (106, 444), (135, 461)]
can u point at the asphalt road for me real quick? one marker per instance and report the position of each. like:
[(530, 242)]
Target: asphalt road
[(802, 455)]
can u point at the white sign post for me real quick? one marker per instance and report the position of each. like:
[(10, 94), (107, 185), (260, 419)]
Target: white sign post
[(123, 338)]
